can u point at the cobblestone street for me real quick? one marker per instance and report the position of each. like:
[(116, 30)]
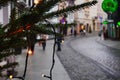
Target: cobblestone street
[(85, 60)]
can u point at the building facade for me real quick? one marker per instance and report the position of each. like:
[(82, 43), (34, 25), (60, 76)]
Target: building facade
[(91, 17), (67, 18), (6, 11), (4, 15)]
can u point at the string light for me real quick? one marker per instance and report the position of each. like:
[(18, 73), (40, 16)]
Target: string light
[(53, 55), (30, 52), (36, 2), (43, 75), (11, 76), (62, 41)]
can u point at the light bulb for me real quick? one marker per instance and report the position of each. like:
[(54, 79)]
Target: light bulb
[(43, 75), (10, 76), (37, 1), (30, 52)]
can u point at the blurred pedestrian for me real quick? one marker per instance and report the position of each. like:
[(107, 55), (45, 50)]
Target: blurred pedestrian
[(31, 41), (90, 30), (75, 33), (44, 39), (104, 32), (58, 41)]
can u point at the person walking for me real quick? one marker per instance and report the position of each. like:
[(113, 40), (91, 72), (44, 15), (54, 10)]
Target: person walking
[(58, 41), (75, 33), (44, 39), (31, 41), (104, 33)]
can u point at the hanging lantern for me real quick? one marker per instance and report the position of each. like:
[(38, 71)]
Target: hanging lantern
[(109, 5)]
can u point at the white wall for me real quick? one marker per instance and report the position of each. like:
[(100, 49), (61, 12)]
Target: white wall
[(82, 18), (54, 19), (1, 16), (93, 11), (4, 15), (100, 11)]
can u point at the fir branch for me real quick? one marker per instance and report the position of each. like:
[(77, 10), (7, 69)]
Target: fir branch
[(5, 2), (68, 10), (42, 30), (46, 6), (6, 54), (34, 17), (8, 66)]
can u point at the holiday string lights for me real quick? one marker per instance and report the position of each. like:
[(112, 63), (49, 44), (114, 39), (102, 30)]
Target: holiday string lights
[(38, 14)]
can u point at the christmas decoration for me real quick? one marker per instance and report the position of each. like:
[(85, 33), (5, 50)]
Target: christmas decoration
[(105, 22), (29, 22), (109, 5), (118, 24)]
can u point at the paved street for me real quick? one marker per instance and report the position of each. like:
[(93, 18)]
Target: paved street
[(40, 63), (82, 57), (108, 57), (86, 59)]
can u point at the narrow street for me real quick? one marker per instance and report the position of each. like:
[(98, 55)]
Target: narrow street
[(85, 59), (59, 39), (40, 63)]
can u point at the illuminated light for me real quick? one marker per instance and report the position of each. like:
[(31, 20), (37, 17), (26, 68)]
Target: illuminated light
[(43, 75), (10, 76), (109, 5), (62, 41), (37, 1), (105, 22), (118, 24), (30, 52), (23, 30)]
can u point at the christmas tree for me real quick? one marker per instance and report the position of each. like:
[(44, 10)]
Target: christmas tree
[(29, 23)]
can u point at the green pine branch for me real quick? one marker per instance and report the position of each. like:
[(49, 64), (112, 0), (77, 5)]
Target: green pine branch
[(46, 6), (35, 17), (4, 3), (68, 10), (12, 34)]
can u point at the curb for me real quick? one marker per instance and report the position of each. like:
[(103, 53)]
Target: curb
[(105, 44)]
